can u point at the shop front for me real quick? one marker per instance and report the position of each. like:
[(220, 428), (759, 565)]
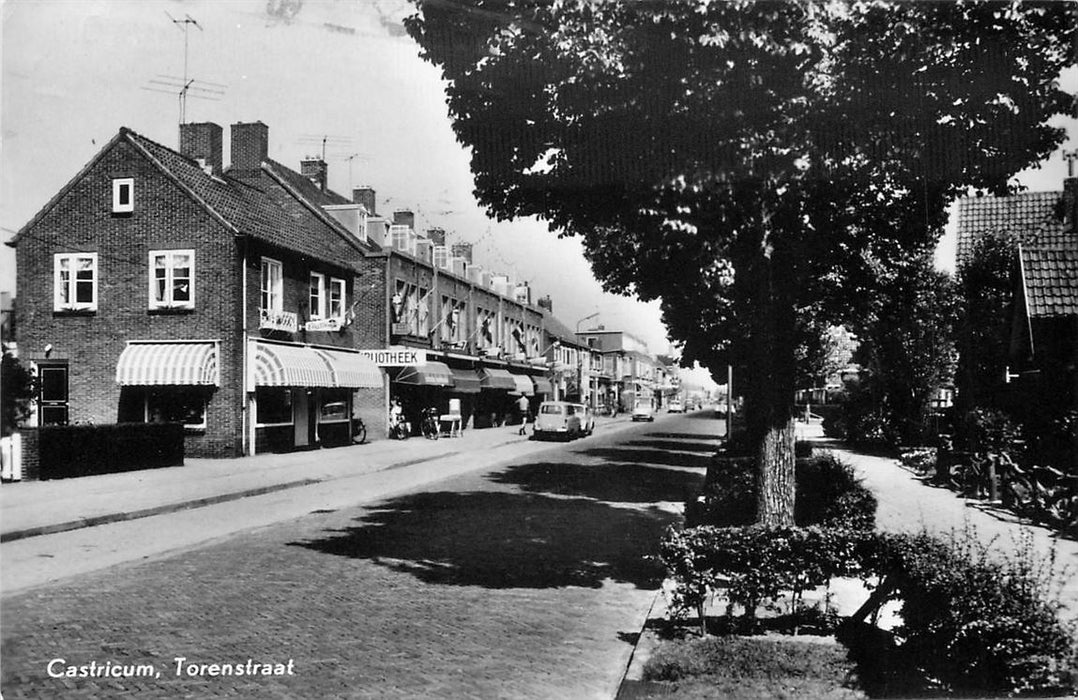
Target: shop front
[(303, 397), (419, 387), (494, 404), (466, 388)]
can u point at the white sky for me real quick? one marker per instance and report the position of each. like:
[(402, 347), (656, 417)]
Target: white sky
[(74, 71)]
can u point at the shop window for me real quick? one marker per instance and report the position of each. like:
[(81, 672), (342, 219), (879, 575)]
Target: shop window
[(177, 405), (334, 412), (75, 277), (274, 405), (123, 195), (172, 279)]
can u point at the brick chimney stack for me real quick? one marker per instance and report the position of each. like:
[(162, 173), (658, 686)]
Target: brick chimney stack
[(203, 142), (316, 170), (545, 303), (250, 146), (365, 196), (437, 235), (462, 250), (403, 217), (1070, 204)]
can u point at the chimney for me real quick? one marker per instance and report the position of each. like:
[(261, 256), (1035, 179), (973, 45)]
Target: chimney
[(250, 146), (316, 170), (545, 303), (365, 196), (203, 142), (1070, 204), (403, 217), (437, 235), (462, 250), (523, 293)]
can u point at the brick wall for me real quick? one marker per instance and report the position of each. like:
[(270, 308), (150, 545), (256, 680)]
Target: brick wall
[(164, 218)]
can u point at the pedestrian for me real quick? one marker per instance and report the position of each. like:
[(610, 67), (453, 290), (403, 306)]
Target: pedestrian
[(522, 407)]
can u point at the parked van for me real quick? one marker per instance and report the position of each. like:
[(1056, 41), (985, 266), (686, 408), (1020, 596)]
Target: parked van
[(557, 419)]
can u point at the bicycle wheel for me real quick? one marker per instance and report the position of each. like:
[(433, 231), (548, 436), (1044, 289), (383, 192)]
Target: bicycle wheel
[(359, 433)]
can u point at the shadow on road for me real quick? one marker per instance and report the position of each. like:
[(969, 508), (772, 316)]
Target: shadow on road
[(676, 445), (506, 540), (662, 458), (614, 483), (687, 436)]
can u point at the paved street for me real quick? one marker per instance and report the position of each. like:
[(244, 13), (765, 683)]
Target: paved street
[(526, 578)]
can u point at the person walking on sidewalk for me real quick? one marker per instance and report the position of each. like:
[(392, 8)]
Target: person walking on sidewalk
[(522, 407)]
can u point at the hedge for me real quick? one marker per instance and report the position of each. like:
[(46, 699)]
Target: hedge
[(83, 450)]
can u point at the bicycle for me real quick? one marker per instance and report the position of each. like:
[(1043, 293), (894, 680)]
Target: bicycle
[(359, 431), (398, 428), (429, 427)]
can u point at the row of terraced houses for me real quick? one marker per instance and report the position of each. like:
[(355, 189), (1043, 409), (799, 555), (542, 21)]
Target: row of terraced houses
[(266, 312)]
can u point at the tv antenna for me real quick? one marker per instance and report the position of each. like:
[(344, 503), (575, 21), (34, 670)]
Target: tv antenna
[(340, 146), (182, 86)]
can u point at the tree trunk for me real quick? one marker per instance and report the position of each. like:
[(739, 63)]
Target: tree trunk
[(771, 383)]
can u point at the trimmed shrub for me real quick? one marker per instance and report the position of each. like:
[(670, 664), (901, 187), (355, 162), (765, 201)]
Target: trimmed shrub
[(827, 492), (973, 624), (83, 450)]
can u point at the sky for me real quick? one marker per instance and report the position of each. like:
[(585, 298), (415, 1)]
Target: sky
[(75, 71)]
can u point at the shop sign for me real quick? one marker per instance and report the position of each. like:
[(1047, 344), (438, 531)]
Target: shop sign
[(278, 320), (326, 324), (396, 356)]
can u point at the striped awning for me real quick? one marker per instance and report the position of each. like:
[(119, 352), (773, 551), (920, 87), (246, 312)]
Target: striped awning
[(542, 385), (524, 385), (155, 364), (430, 374), (465, 381), (291, 365), (494, 378), (352, 370)]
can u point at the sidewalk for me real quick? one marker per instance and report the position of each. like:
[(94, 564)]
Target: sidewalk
[(32, 508)]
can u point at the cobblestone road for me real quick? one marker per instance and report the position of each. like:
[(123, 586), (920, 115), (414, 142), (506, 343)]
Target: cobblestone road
[(525, 581)]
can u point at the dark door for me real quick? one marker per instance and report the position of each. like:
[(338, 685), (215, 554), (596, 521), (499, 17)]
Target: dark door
[(53, 396)]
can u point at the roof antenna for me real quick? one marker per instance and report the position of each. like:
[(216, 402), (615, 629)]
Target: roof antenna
[(185, 87)]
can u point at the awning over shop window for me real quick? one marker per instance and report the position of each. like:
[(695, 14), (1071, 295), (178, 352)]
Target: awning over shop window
[(524, 385), (291, 365), (430, 374), (156, 364), (542, 385), (352, 370), (494, 378), (466, 381)]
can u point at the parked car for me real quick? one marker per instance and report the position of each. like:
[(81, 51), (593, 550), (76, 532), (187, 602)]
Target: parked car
[(675, 407), (643, 411), (587, 418), (557, 419)]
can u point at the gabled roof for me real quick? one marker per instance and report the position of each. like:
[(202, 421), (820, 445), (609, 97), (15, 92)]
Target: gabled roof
[(559, 330), (272, 206), (1049, 281), (1027, 216)]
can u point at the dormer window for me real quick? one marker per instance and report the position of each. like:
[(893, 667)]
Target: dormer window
[(123, 195)]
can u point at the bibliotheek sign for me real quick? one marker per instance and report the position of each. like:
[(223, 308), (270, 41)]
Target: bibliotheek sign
[(396, 356)]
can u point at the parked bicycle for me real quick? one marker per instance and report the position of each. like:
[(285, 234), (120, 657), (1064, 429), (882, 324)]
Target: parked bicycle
[(429, 426), (359, 431)]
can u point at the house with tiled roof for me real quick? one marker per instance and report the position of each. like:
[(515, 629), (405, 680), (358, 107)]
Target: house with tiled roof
[(1044, 335), (1029, 218), (157, 285)]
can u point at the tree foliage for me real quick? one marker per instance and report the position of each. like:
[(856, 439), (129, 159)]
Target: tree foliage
[(750, 164), (17, 388)]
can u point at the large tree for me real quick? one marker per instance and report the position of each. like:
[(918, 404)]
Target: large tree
[(747, 163)]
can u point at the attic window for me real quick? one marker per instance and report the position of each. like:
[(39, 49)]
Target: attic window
[(123, 195)]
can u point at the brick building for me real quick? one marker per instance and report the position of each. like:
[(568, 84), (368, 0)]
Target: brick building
[(156, 285)]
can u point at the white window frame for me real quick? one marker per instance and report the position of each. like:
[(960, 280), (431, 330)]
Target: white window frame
[(73, 304), (118, 185), (168, 302), (276, 291), (316, 295), (189, 427), (340, 288)]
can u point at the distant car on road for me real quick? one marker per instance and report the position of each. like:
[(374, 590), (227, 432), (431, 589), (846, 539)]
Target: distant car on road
[(587, 418), (675, 407), (557, 419), (643, 411)]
